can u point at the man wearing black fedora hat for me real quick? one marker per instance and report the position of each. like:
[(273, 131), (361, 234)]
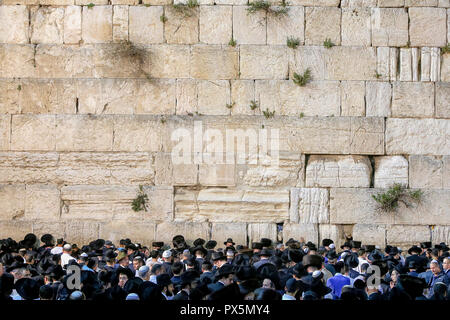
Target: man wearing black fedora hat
[(421, 262), (264, 256), (223, 277), (187, 284)]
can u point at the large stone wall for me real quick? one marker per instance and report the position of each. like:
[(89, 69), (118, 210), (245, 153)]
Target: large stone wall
[(90, 95)]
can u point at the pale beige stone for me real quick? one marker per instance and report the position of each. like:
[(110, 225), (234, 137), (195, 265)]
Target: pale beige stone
[(406, 65), (257, 231), (242, 93), (383, 63), (15, 229), (42, 202), (156, 97), (121, 23), (440, 234), (314, 3), (367, 135), (72, 24), (186, 96), (417, 136), (142, 232), (213, 97), (87, 2), (425, 64), (157, 2), (13, 24), (214, 62), (216, 175), (136, 133), (216, 24), (249, 28), (421, 3), (372, 234), (12, 204), (17, 61), (391, 3), (33, 132), (322, 23), (179, 28), (84, 133), (358, 3), (222, 231), (56, 2), (413, 100), (165, 231), (338, 171), (352, 98), (145, 25), (350, 63), (169, 61), (47, 24), (309, 205), (389, 27), (406, 236), (164, 169), (393, 63), (378, 99), (390, 170), (305, 57), (81, 231), (10, 95), (307, 231), (263, 62), (435, 66), (291, 25), (56, 229), (97, 24), (445, 70), (356, 27), (443, 100), (330, 231), (427, 26), (185, 174), (426, 172)]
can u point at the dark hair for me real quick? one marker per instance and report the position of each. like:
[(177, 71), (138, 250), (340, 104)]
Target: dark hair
[(29, 256), (177, 268), (154, 254), (206, 265), (359, 284), (338, 266), (46, 292), (92, 262), (364, 267), (156, 267)]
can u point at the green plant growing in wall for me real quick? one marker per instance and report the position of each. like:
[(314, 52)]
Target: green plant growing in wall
[(389, 200), (378, 75), (128, 52), (302, 80), (90, 5), (140, 202), (268, 114), (328, 44), (232, 42), (186, 9), (163, 18), (292, 42), (302, 115), (230, 105), (253, 105), (262, 5), (19, 87), (446, 49)]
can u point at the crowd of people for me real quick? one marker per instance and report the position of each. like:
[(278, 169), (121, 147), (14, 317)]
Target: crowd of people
[(296, 270)]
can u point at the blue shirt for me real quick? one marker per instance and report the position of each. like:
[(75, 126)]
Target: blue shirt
[(336, 284)]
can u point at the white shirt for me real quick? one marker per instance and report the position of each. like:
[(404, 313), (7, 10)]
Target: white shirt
[(287, 297), (65, 259), (56, 250)]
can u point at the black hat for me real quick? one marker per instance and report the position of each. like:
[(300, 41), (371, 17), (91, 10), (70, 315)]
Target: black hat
[(177, 239), (27, 288), (312, 260), (211, 244), (229, 240), (347, 244), (293, 244), (442, 246), (311, 246), (55, 271), (199, 292), (163, 279), (199, 242), (414, 286), (265, 252), (198, 248), (188, 277), (394, 251), (245, 272), (299, 270), (250, 285), (48, 239), (257, 245), (425, 245), (125, 271), (227, 293), (412, 264), (331, 255), (414, 249), (224, 271), (326, 242), (313, 282), (218, 256), (351, 260), (356, 244), (29, 241), (16, 265), (133, 285), (368, 247), (6, 284), (158, 244), (266, 242), (295, 255), (110, 254)]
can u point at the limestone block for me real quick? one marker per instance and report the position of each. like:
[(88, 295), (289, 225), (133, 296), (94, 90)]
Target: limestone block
[(5, 131), (15, 229), (389, 27), (279, 29), (33, 132), (249, 28), (305, 57), (56, 2), (406, 236), (257, 231), (428, 26), (164, 169), (181, 29), (307, 231), (417, 136), (444, 3), (435, 66), (442, 100), (263, 62), (426, 172), (322, 23), (186, 96), (409, 64), (86, 2), (72, 24), (136, 133), (185, 174), (108, 96), (309, 205), (214, 62), (383, 63), (47, 25), (84, 133), (145, 25), (56, 229), (378, 99), (338, 171), (391, 3), (213, 97), (156, 97), (367, 135), (48, 96), (413, 99), (216, 24), (12, 204), (9, 93), (421, 3), (97, 24), (390, 170), (42, 202), (217, 175), (17, 61), (169, 61), (157, 2), (314, 3), (330, 231), (81, 231), (425, 63), (121, 23), (242, 93), (358, 3), (353, 98), (165, 231), (350, 63), (440, 234), (393, 63), (356, 27), (142, 232), (445, 70), (13, 24), (222, 231), (20, 2), (371, 234)]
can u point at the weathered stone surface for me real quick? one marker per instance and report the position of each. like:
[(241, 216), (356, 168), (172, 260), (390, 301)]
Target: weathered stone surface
[(169, 61), (181, 29), (56, 229), (413, 99), (213, 97), (353, 98), (406, 64), (222, 231), (445, 70), (390, 170), (378, 99), (383, 63), (121, 23), (322, 23), (186, 96), (13, 24), (249, 28), (142, 232), (72, 24), (9, 93), (350, 63), (391, 3), (145, 25), (443, 100), (426, 172), (338, 171), (371, 234), (427, 26), (358, 3), (47, 25), (389, 27), (309, 205), (366, 135), (42, 202), (356, 30), (5, 131), (330, 231), (291, 25), (81, 231), (242, 93), (97, 24), (26, 167), (33, 132), (155, 97), (217, 175), (405, 236), (256, 231), (133, 133), (212, 29), (12, 204), (214, 62), (263, 62), (440, 234), (17, 61), (421, 3), (191, 231), (417, 136), (307, 231), (15, 229), (314, 3)]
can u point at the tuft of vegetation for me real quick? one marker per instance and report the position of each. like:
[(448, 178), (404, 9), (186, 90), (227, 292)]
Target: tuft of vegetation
[(163, 120), (262, 5), (163, 18), (140, 202), (186, 9), (268, 114), (302, 115), (389, 200), (19, 87), (302, 80), (292, 42), (446, 49), (90, 5), (230, 105), (232, 42), (378, 75), (328, 44), (253, 105)]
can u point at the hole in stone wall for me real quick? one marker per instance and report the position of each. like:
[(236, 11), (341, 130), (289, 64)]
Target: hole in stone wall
[(280, 232)]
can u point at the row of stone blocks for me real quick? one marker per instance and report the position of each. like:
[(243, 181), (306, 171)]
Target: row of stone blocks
[(417, 26)]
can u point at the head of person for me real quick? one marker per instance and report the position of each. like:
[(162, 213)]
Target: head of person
[(157, 269), (206, 266), (123, 278), (435, 268), (167, 256), (46, 292), (177, 268), (67, 248), (138, 262), (144, 273), (446, 264)]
